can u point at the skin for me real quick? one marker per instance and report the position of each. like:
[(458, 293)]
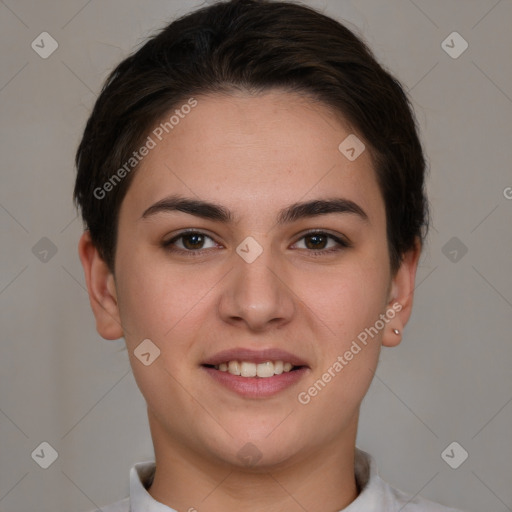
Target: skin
[(253, 154)]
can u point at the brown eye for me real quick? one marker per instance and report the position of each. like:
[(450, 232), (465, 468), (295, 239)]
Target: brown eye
[(320, 242), (190, 242), (193, 241), (316, 241)]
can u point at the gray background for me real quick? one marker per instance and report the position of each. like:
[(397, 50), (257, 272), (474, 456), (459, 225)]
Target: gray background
[(449, 380)]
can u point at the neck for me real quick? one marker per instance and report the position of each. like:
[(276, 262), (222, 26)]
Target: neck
[(319, 481)]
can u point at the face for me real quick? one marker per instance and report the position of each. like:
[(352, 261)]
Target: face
[(245, 274)]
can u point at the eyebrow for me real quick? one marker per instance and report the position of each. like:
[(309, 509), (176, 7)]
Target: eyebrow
[(217, 212)]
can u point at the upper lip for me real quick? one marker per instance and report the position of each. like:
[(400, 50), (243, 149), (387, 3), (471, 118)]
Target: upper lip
[(254, 356)]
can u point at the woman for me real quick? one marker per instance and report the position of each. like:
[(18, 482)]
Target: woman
[(252, 184)]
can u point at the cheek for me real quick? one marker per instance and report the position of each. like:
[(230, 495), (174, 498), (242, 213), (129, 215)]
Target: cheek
[(349, 354), (154, 296), (159, 304), (346, 298), (347, 302)]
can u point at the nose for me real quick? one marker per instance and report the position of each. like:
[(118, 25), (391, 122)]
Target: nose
[(257, 295)]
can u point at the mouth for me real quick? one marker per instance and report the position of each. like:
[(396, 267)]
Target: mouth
[(255, 374)]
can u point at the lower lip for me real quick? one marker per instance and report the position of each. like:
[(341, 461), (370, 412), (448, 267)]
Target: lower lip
[(256, 387)]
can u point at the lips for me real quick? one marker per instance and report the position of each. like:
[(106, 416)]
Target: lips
[(255, 373)]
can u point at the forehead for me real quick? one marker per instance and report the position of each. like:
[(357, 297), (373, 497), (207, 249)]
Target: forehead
[(252, 152)]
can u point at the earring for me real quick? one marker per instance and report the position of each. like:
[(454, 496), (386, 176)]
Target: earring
[(396, 331)]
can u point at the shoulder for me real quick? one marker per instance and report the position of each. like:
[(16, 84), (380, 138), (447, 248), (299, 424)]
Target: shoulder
[(377, 495), (141, 476), (407, 503)]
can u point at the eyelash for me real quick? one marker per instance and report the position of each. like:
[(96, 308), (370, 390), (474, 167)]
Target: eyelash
[(342, 244)]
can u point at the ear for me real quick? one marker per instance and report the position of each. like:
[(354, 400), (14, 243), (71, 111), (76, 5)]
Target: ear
[(401, 296), (102, 290)]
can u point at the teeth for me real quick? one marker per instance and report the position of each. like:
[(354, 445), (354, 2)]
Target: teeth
[(248, 369), (265, 369), (233, 367)]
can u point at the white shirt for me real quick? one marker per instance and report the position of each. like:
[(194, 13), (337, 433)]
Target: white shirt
[(376, 495)]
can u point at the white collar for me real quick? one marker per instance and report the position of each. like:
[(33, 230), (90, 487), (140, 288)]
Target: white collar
[(370, 499), (376, 495)]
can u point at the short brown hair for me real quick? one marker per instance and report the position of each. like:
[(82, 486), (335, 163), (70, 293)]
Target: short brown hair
[(253, 45)]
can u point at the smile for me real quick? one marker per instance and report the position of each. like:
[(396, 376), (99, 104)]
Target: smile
[(250, 369)]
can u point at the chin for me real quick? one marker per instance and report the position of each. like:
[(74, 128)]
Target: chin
[(262, 450)]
